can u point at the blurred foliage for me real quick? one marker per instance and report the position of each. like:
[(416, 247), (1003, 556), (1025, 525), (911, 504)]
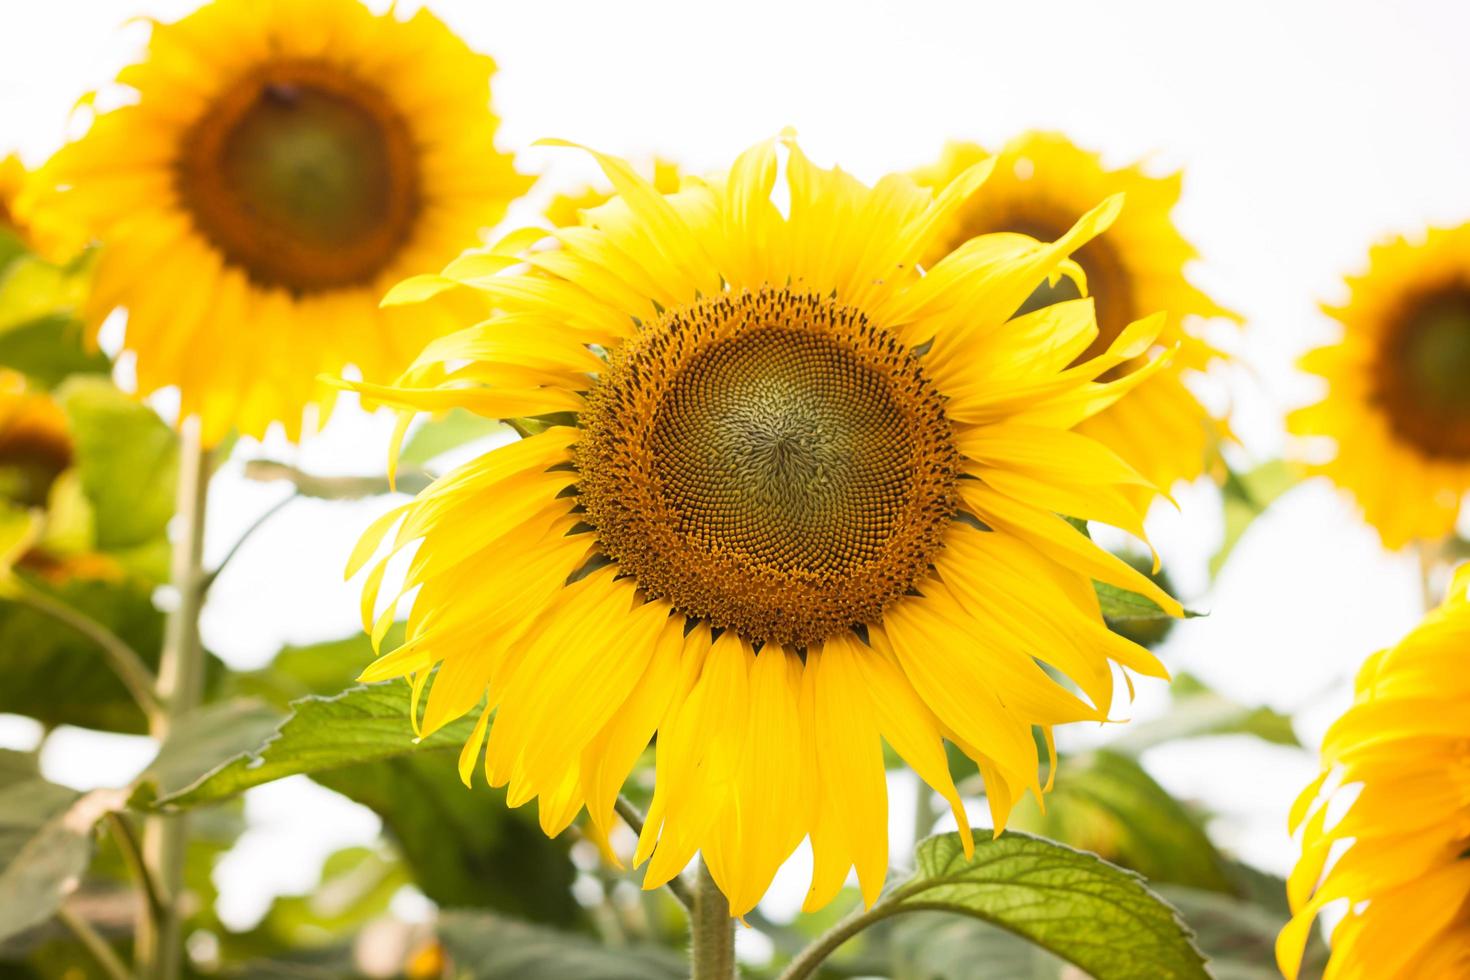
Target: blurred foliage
[(55, 675), (1246, 497), (487, 947), (453, 429), (1196, 711), (1105, 803)]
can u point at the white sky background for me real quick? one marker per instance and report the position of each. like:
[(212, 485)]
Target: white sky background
[(1306, 130)]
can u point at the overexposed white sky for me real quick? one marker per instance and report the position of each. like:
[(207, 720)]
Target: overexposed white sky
[(1307, 130)]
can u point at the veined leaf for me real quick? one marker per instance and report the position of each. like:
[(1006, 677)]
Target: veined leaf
[(362, 724), (463, 847), (1077, 906), (203, 740)]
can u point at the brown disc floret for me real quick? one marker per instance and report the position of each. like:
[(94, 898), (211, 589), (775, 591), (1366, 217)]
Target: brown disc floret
[(770, 462)]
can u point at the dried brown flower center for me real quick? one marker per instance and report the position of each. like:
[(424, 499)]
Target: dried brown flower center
[(303, 176), (1423, 380), (770, 462)]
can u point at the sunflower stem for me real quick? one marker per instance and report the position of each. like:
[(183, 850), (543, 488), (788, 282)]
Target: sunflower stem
[(633, 817), (712, 930), (98, 948), (924, 814), (1430, 554), (809, 959), (159, 948)]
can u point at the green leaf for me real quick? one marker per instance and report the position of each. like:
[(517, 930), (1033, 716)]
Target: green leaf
[(58, 676), (128, 460), (1246, 497), (31, 288), (1196, 711), (1107, 804), (49, 349), (465, 847), (1090, 913), (362, 724), (48, 844), (1122, 606), (437, 436), (202, 741), (488, 947)]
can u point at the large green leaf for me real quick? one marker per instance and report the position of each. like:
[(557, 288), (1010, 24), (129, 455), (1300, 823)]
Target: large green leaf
[(31, 288), (1106, 803), (49, 349), (46, 837), (128, 460), (59, 677), (204, 740), (465, 847), (1246, 497), (362, 724), (1197, 711), (1079, 907), (488, 947)]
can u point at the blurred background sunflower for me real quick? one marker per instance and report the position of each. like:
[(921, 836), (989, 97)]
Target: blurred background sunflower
[(1397, 410), (270, 170)]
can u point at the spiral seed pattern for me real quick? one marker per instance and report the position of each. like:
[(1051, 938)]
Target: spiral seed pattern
[(771, 462)]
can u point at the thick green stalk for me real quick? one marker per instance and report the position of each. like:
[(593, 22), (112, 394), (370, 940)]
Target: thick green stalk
[(711, 930), (160, 945)]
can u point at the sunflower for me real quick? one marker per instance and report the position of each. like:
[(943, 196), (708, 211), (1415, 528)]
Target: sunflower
[(35, 442), (12, 179), (1398, 402), (278, 166), (1401, 754), (566, 208), (1041, 182), (788, 498)]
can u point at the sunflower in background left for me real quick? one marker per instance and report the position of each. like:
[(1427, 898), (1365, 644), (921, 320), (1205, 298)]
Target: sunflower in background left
[(279, 165), (1041, 180)]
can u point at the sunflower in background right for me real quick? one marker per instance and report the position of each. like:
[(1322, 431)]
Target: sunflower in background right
[(1398, 856), (1398, 388), (1041, 180)]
